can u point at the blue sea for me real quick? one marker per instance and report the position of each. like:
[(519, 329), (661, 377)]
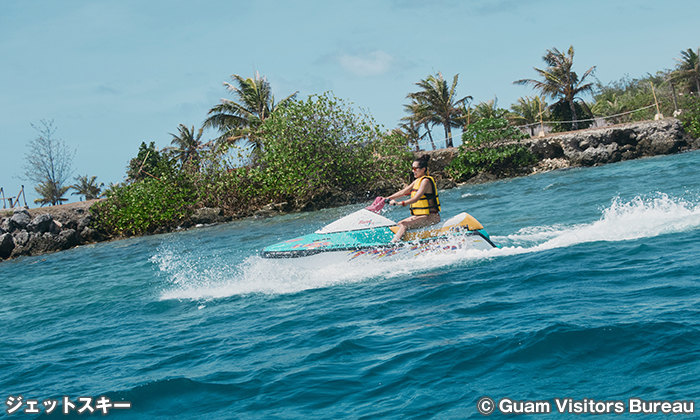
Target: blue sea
[(592, 301)]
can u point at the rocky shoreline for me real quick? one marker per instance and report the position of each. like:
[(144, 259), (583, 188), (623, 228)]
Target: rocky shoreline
[(38, 231), (615, 143), (44, 230)]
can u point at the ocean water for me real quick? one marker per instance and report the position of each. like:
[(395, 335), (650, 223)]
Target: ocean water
[(593, 297)]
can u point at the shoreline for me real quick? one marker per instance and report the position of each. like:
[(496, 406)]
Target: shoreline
[(42, 230)]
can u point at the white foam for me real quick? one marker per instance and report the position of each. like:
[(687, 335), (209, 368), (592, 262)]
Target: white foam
[(189, 275), (622, 221)]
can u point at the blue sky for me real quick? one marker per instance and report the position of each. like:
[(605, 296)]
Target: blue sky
[(112, 74)]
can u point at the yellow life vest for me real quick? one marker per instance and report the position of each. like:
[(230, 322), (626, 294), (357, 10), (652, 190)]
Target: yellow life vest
[(427, 201)]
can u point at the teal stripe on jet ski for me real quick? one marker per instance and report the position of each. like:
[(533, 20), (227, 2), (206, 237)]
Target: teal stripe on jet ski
[(340, 240)]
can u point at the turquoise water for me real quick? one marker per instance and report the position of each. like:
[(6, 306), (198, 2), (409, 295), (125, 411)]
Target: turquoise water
[(594, 295)]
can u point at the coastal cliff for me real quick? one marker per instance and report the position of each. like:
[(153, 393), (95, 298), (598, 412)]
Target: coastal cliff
[(42, 230), (590, 147), (615, 143)]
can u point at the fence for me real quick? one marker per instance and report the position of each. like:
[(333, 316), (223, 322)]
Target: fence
[(543, 127), (16, 202)]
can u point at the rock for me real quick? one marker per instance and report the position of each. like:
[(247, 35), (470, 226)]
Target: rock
[(207, 216), (7, 244), (265, 214), (84, 222), (601, 154), (481, 178), (90, 235), (21, 237), (277, 208), (603, 145), (41, 223), (445, 184), (546, 165), (68, 239), (42, 243), (20, 219), (544, 148), (49, 242), (67, 220), (6, 225), (282, 207), (56, 227)]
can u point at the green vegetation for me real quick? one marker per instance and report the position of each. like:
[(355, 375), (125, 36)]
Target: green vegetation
[(690, 117), (311, 153), (487, 146), (144, 206), (559, 81), (240, 120), (529, 111), (50, 193), (186, 145), (88, 187), (150, 163), (436, 103), (687, 72), (314, 147)]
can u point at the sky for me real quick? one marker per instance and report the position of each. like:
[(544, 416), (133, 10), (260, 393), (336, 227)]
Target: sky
[(112, 74)]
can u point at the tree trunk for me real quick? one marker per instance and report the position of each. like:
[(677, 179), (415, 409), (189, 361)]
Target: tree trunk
[(574, 118), (448, 136), (675, 101), (430, 136)]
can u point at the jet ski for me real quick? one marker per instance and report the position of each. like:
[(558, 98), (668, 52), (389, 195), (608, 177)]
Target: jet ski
[(365, 234)]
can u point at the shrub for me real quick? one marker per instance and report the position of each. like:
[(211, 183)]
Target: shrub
[(489, 130), (505, 160), (319, 145), (143, 207), (690, 117), (483, 150), (150, 164)]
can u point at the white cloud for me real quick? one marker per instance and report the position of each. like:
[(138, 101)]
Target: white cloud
[(372, 64)]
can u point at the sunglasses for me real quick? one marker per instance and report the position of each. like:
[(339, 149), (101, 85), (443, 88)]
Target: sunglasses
[(415, 168)]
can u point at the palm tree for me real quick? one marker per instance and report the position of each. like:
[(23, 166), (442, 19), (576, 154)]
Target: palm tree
[(688, 69), (489, 109), (240, 120), (186, 144), (610, 105), (419, 115), (409, 131), (50, 193), (88, 187), (440, 104), (559, 81), (528, 111)]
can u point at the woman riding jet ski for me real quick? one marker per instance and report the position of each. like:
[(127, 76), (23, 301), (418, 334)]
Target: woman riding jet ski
[(424, 201), (365, 233)]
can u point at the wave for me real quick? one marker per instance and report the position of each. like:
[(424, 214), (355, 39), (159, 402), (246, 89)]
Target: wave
[(354, 370), (195, 276), (622, 221)]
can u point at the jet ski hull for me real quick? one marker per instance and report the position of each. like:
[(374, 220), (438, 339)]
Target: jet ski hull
[(348, 240)]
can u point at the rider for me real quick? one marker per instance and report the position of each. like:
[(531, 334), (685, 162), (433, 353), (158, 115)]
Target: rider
[(424, 201)]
